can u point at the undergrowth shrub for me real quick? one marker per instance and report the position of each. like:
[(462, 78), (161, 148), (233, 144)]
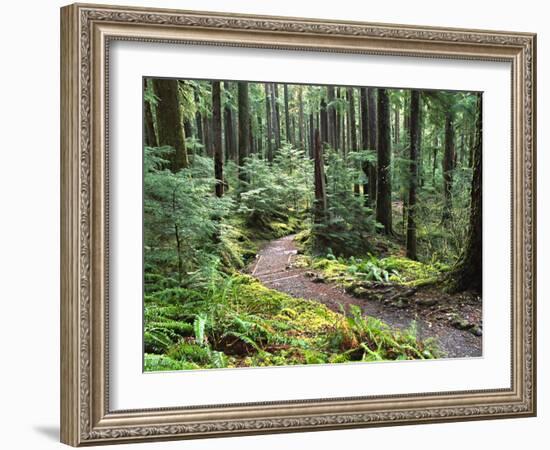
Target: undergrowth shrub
[(274, 197), (392, 269), (366, 338), (234, 321), (155, 363), (350, 223)]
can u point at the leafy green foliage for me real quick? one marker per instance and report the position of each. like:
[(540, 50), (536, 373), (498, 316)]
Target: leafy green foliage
[(370, 269), (201, 313), (185, 231), (391, 269), (278, 193), (155, 363), (365, 338), (234, 321), (444, 243), (350, 222)]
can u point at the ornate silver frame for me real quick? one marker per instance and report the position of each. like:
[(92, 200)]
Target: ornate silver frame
[(86, 31)]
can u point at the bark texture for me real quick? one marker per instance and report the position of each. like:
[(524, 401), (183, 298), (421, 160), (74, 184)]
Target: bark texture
[(244, 126), (288, 133), (383, 199), (320, 207), (229, 128), (170, 129), (414, 135), (469, 269), (448, 166), (269, 122), (217, 137), (149, 134), (372, 124)]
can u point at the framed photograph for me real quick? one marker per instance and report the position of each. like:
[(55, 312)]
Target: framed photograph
[(276, 224)]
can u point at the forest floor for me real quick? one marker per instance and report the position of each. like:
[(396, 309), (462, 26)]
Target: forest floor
[(434, 311)]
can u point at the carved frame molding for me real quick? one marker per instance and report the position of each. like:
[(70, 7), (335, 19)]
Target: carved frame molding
[(86, 32)]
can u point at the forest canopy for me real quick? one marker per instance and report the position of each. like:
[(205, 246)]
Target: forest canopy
[(256, 194)]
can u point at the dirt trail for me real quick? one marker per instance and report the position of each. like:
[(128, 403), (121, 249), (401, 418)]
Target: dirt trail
[(273, 267)]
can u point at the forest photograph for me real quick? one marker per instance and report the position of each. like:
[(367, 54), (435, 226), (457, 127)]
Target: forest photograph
[(297, 224)]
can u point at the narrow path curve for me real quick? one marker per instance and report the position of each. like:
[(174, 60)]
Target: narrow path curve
[(273, 267)]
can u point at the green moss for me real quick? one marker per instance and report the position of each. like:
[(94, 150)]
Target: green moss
[(311, 317), (236, 247), (281, 229), (339, 358), (315, 357), (304, 240), (332, 268), (155, 363), (245, 324), (406, 270), (302, 261), (303, 236), (393, 269)]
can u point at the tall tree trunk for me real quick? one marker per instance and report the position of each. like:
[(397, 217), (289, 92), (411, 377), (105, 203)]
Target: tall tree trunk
[(229, 128), (414, 134), (301, 124), (448, 166), (311, 136), (340, 125), (306, 146), (436, 146), (287, 115), (149, 135), (206, 135), (217, 137), (323, 119), (187, 128), (420, 157), (244, 126), (373, 132), (462, 147), (471, 145), (348, 132), (320, 207), (468, 271), (293, 130), (363, 109), (396, 128), (269, 122), (352, 123), (259, 143), (187, 125), (383, 198), (198, 118), (331, 118), (277, 115), (177, 237), (170, 130), (402, 152), (251, 140), (344, 124), (352, 131), (406, 115)]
